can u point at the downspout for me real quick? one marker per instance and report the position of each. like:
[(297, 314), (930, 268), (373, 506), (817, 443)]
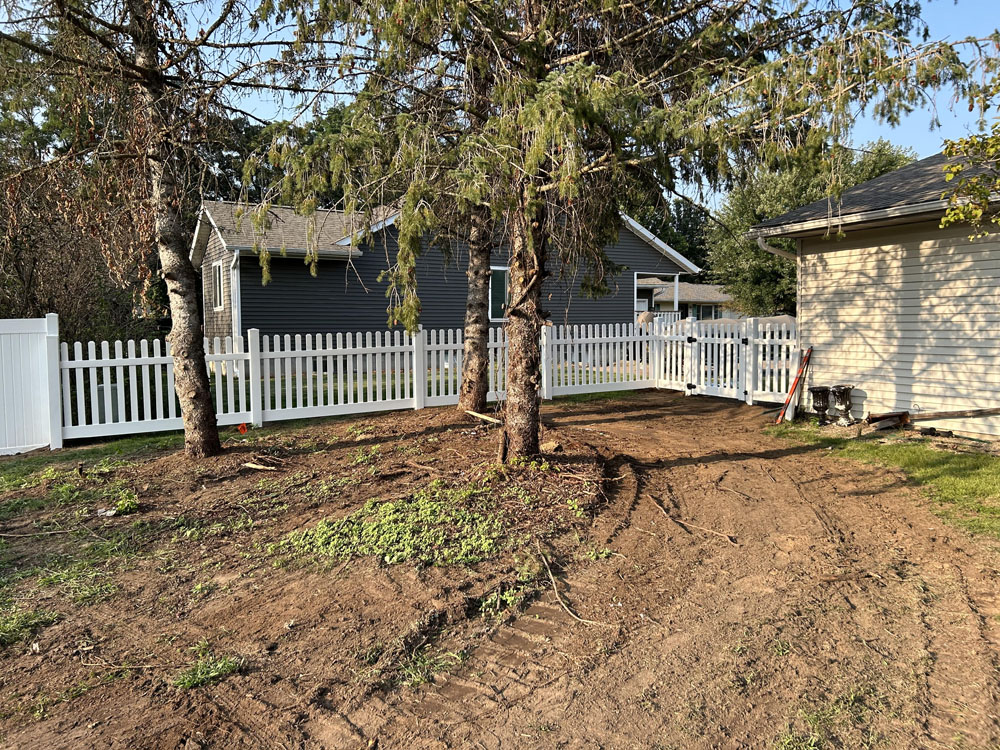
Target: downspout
[(762, 244), (234, 295)]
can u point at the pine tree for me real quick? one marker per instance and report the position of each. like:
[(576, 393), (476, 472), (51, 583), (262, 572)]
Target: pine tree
[(584, 97)]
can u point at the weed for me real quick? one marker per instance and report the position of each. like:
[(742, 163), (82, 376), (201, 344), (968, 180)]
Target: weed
[(598, 554), (127, 502), (207, 670), (780, 647), (18, 624), (366, 456), (201, 590), (435, 526), (574, 505), (536, 464), (421, 666), (499, 603)]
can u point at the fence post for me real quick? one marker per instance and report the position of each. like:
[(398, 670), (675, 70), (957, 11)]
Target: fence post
[(691, 386), (546, 364), (750, 359), (419, 368), (52, 372), (658, 332), (256, 404)]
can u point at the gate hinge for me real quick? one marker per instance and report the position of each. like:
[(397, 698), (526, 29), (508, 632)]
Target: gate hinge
[(744, 341), (691, 339), (691, 386)]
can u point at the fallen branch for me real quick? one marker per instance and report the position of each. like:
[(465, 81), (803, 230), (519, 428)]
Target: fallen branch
[(259, 467), (555, 590), (37, 533), (484, 417), (738, 492), (687, 524), (954, 414)]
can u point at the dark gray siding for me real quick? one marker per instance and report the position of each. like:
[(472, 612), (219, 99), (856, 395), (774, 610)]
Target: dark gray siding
[(345, 298), (216, 322)]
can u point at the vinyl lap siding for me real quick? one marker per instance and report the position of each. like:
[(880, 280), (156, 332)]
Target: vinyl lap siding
[(910, 316), (343, 298), (216, 322)]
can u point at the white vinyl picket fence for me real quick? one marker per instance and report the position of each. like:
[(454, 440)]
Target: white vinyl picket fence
[(51, 391)]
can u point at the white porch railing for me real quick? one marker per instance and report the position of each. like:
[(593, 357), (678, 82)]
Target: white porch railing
[(666, 316), (50, 391)]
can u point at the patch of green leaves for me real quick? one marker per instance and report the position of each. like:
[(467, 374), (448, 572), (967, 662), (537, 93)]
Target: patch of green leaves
[(438, 525)]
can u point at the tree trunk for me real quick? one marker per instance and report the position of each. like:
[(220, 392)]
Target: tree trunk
[(475, 357), (524, 356), (201, 432)]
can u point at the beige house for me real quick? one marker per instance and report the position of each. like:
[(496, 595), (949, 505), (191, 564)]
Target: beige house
[(906, 312)]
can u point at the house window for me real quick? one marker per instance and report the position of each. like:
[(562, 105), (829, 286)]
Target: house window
[(499, 292), (218, 301)]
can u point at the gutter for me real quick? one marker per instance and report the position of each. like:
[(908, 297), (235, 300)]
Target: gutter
[(828, 222), (298, 252), (762, 244)]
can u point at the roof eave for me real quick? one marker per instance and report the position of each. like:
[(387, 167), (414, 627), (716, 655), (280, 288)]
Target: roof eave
[(862, 219), (378, 226), (300, 252), (202, 230), (660, 245)]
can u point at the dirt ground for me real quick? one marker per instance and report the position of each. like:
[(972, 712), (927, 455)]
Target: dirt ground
[(733, 591)]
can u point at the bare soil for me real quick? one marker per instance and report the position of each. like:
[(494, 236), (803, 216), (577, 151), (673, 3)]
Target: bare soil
[(724, 589)]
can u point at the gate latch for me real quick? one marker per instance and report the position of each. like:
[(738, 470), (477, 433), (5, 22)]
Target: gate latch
[(691, 386), (691, 339), (744, 341)]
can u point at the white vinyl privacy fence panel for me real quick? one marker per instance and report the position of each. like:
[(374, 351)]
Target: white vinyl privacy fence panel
[(29, 406), (51, 391)]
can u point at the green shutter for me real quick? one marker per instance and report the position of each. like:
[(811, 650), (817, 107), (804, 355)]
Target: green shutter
[(498, 293)]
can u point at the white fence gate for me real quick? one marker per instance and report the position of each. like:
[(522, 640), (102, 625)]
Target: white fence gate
[(50, 391)]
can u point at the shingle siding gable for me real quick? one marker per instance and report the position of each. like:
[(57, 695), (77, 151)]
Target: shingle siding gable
[(216, 322)]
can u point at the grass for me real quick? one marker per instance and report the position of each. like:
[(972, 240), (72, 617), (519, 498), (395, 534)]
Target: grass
[(21, 472), (438, 525), (207, 670), (19, 624), (964, 486), (841, 722), (81, 582)]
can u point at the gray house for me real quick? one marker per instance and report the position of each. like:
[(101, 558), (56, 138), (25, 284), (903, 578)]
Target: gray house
[(897, 306), (347, 295)]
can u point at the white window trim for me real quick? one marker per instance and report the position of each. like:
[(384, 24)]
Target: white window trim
[(218, 301), (489, 293)]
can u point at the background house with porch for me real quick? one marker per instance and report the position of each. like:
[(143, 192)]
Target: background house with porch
[(673, 299)]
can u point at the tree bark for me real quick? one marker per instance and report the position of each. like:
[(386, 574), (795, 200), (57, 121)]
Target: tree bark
[(201, 432), (475, 357), (524, 323)]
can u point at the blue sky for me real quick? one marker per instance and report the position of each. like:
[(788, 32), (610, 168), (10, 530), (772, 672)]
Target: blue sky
[(952, 20)]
